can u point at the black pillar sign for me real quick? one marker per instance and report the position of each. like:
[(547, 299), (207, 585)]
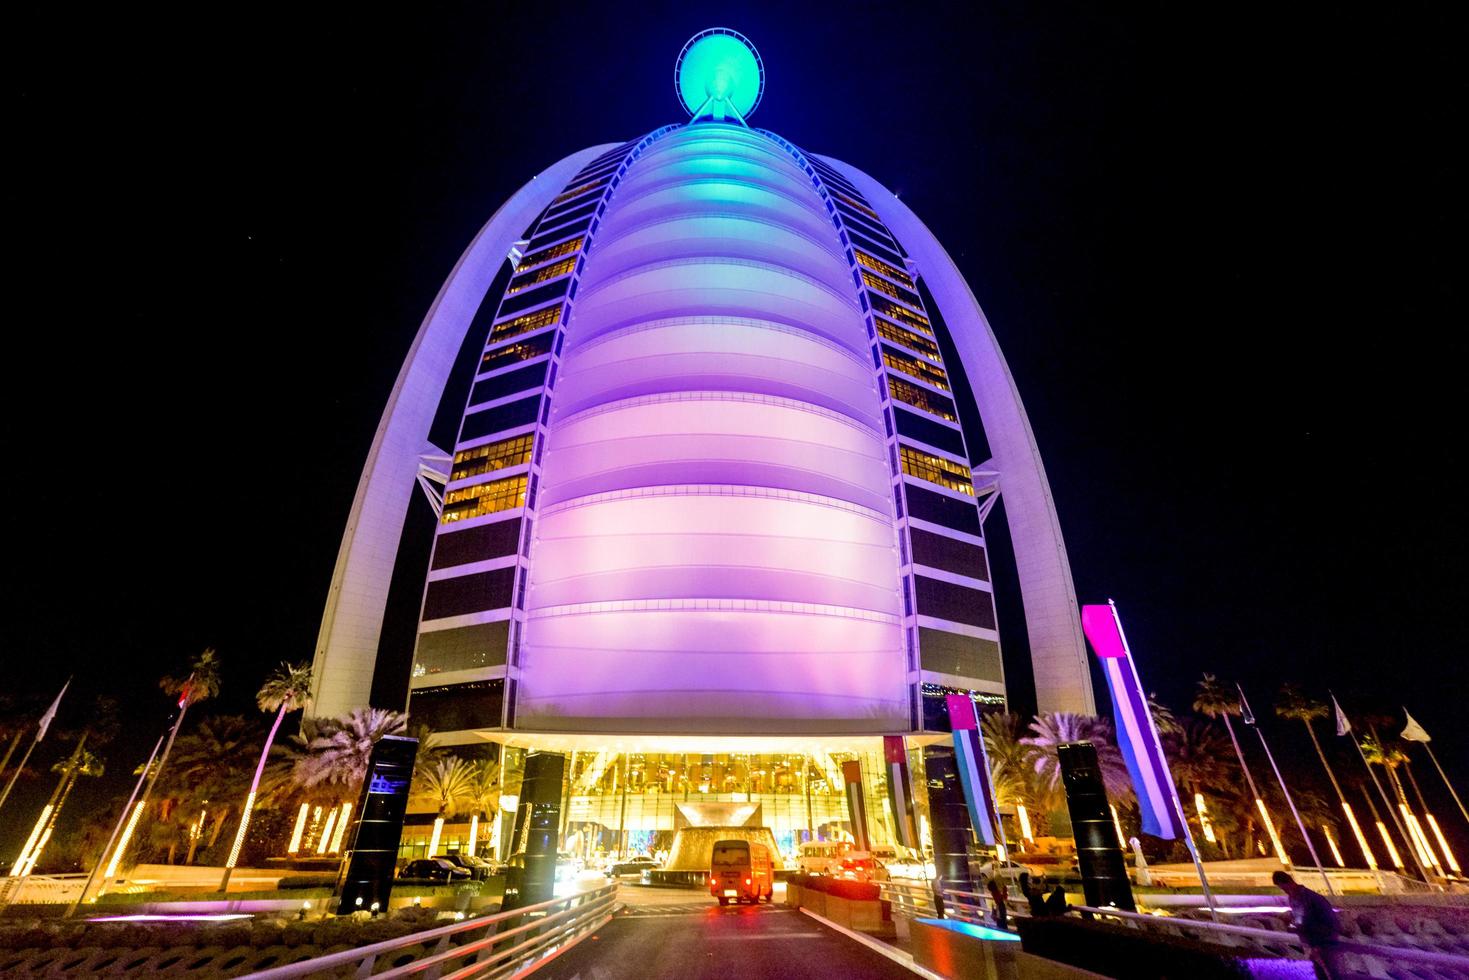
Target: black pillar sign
[(366, 879), (537, 822), (1104, 878)]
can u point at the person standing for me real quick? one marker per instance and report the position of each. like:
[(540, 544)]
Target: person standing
[(1000, 895), (1315, 922)]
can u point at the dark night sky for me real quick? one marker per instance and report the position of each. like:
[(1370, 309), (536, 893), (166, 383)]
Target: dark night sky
[(1216, 251)]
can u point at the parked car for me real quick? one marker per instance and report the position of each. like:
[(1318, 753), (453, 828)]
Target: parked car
[(435, 869), (1009, 872), (477, 869), (633, 868)]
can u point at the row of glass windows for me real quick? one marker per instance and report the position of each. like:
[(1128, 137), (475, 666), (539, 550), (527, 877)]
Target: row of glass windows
[(896, 292), (541, 275), (515, 353), (891, 271), (858, 205), (922, 370), (554, 252), (871, 245), (569, 194), (525, 324), (921, 398), (484, 498), (936, 469), (901, 314), (514, 451), (895, 333)]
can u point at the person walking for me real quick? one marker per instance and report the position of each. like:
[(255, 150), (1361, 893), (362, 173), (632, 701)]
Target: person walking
[(1315, 922)]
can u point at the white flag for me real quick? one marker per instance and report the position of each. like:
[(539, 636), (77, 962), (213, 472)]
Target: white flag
[(51, 712), (1343, 726), (1414, 732)]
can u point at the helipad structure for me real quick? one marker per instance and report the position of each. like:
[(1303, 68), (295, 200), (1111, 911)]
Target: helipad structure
[(711, 496)]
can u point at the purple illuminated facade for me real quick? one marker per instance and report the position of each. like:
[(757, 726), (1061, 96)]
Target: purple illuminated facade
[(711, 478)]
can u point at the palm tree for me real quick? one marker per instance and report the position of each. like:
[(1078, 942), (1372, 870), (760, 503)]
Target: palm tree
[(209, 771), (485, 787), (1051, 730), (1012, 762), (287, 689), (1163, 717), (79, 763), (1297, 705), (447, 785), (1196, 758), (339, 753), (1213, 699), (201, 684)]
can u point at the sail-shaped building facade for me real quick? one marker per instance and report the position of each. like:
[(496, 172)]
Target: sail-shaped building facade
[(711, 492)]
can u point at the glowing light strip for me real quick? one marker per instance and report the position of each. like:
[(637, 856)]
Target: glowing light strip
[(1420, 839), (1275, 837), (36, 854), (295, 844), (433, 842), (341, 828), (474, 834), (194, 917), (1361, 837), (1392, 852), (25, 852), (240, 834), (1331, 843), (1024, 823), (326, 832), (1204, 824), (1443, 844), (1117, 822), (122, 845)]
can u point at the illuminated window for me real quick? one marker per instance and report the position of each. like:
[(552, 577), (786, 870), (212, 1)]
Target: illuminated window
[(922, 370), (515, 353), (896, 292), (484, 498), (921, 398), (541, 275), (495, 456), (907, 338), (568, 195), (936, 469), (901, 314), (891, 271), (525, 324), (554, 252), (860, 207)]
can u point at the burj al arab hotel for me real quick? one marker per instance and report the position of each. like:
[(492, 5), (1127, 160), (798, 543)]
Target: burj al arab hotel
[(712, 521)]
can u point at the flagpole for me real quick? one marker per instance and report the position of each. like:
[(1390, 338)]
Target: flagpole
[(1172, 787), (1414, 732), (20, 767), (116, 829), (1300, 824), (41, 728), (1344, 728), (1429, 749)]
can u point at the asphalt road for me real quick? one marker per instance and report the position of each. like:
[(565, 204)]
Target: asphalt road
[(711, 943)]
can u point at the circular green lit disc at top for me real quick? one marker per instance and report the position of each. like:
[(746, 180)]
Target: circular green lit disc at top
[(718, 70)]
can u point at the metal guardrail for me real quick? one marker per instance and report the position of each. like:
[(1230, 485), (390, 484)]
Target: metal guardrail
[(506, 944), (968, 907), (32, 889), (909, 901)]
